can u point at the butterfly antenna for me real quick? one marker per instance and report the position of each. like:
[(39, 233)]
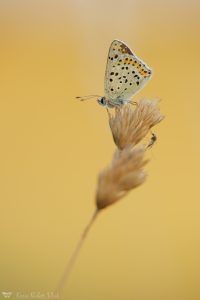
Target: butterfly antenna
[(83, 98)]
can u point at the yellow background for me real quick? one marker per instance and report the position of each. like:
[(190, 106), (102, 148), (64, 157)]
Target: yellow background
[(146, 247)]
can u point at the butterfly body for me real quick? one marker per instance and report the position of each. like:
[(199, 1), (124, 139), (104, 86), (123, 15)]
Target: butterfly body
[(111, 103)]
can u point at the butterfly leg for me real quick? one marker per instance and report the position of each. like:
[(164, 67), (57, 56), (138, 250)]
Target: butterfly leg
[(109, 114), (133, 103)]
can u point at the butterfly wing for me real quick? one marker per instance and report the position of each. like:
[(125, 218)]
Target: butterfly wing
[(125, 73)]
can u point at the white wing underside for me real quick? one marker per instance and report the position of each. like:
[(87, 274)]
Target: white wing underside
[(125, 73)]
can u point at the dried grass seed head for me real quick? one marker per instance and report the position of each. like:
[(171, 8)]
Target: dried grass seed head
[(123, 174), (130, 125)]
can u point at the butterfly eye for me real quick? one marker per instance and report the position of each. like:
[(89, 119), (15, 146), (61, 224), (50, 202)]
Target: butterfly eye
[(102, 101)]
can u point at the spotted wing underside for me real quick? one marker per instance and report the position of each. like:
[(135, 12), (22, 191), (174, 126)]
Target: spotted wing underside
[(125, 73)]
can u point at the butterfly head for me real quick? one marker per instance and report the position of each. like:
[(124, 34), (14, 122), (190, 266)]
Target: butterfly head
[(102, 101)]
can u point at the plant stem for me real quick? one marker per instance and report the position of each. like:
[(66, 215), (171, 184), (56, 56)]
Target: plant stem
[(75, 254)]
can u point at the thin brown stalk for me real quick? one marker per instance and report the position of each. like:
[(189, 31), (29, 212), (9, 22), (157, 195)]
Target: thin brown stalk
[(63, 281)]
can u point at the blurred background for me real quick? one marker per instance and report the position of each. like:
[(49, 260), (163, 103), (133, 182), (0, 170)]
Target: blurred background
[(145, 247)]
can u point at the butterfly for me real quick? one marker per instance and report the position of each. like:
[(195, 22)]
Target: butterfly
[(125, 75)]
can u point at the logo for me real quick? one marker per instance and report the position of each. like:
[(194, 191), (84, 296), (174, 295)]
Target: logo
[(7, 294)]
